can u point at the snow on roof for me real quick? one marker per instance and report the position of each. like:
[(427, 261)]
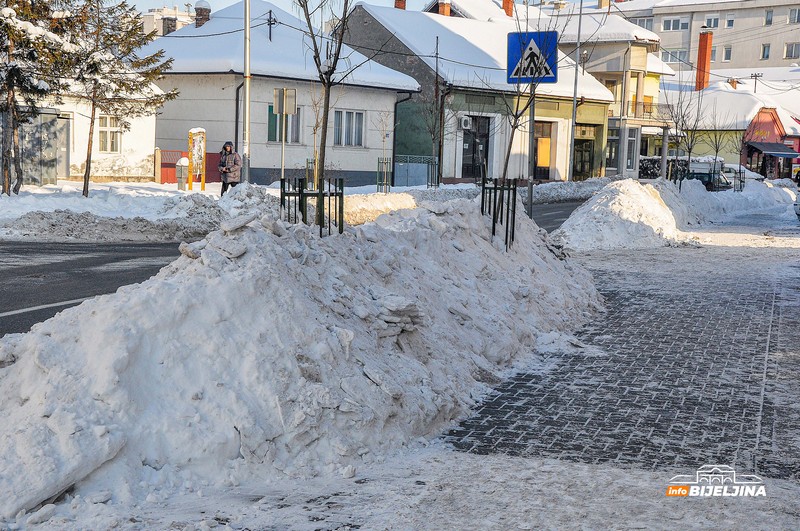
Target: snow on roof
[(218, 47), (597, 27), (487, 9), (473, 53), (656, 66), (735, 107)]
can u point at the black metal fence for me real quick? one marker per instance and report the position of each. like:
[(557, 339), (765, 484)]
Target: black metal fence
[(499, 200), (295, 197)]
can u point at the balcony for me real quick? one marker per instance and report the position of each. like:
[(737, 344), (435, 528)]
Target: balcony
[(657, 112)]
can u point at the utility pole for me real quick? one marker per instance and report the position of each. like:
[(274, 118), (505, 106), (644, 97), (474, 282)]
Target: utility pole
[(755, 77), (571, 169), (246, 124)]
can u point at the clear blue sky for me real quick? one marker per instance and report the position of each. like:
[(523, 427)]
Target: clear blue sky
[(144, 5)]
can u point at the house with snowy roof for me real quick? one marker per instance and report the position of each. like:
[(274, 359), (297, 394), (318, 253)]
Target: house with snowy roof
[(741, 126), (465, 61), (208, 71), (619, 54)]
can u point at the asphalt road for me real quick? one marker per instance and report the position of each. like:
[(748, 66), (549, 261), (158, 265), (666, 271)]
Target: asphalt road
[(550, 216), (41, 279)]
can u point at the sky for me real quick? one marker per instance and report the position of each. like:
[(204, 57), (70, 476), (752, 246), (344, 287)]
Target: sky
[(145, 5)]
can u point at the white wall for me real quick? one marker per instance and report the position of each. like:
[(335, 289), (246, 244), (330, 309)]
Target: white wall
[(137, 145), (209, 101)]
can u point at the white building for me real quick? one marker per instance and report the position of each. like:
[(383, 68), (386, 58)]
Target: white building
[(208, 71), (165, 20), (747, 33)]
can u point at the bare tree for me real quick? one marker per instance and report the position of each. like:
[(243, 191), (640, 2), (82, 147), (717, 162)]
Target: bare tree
[(717, 132), (685, 111)]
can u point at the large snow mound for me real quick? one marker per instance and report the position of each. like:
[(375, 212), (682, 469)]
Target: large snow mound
[(276, 350), (629, 215)]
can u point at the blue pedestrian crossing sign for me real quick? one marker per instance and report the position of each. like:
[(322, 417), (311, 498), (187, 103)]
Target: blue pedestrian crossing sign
[(533, 57)]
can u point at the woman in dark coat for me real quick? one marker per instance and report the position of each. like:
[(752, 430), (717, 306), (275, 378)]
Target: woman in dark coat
[(230, 167)]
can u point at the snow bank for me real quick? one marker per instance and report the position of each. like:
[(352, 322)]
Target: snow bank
[(623, 215), (561, 191), (629, 215), (275, 350)]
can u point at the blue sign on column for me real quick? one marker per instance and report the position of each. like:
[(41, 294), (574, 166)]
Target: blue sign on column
[(533, 57)]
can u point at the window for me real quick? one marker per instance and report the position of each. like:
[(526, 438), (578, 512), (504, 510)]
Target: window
[(675, 24), (675, 56), (632, 156), (765, 51), (348, 128), (110, 134), (794, 16), (712, 21), (644, 22), (729, 18), (713, 54), (726, 53), (612, 148), (768, 17), (274, 129), (792, 50)]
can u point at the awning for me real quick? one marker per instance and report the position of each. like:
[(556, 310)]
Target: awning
[(775, 149)]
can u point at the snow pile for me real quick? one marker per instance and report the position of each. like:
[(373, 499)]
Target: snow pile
[(629, 215), (561, 191), (623, 215), (275, 350)]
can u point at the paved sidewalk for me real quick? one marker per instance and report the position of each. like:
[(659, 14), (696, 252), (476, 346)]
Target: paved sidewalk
[(695, 362)]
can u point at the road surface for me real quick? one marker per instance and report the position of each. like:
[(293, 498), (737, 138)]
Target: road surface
[(41, 279)]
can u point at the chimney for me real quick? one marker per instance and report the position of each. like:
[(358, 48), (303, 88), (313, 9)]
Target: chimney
[(508, 7), (168, 25), (703, 60), (603, 4), (733, 82), (444, 7), (400, 4), (202, 13)]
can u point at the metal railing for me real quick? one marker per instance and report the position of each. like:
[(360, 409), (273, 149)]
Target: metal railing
[(295, 201), (661, 112), (499, 200)]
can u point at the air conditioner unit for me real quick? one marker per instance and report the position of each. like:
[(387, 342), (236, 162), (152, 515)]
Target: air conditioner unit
[(465, 123)]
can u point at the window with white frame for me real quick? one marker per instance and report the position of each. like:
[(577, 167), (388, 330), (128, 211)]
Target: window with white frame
[(348, 128), (713, 54), (768, 17), (643, 22), (765, 51), (712, 20), (729, 18), (109, 134), (794, 16), (675, 56), (727, 52), (675, 24), (632, 156), (792, 50), (291, 126)]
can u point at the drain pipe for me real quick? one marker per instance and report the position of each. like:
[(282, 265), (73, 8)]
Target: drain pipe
[(236, 120)]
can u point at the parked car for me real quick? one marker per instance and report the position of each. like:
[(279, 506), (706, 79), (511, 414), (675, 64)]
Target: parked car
[(797, 208), (713, 183), (731, 171)]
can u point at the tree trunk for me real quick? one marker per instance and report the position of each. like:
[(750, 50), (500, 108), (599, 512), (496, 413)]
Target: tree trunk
[(17, 155), (7, 157), (514, 125), (323, 140), (88, 170)]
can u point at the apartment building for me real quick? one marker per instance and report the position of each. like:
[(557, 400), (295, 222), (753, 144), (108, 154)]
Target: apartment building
[(747, 33)]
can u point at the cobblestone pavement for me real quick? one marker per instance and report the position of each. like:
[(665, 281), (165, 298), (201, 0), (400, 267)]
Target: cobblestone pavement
[(694, 362)]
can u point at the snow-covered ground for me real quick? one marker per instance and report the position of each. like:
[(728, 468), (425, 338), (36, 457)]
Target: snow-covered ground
[(269, 375)]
